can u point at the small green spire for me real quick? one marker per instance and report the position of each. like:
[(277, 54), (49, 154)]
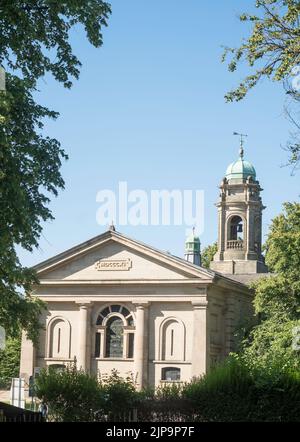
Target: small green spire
[(192, 243), (193, 249)]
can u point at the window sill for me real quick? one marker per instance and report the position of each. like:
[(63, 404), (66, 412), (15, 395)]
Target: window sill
[(114, 359), (171, 382), (170, 362)]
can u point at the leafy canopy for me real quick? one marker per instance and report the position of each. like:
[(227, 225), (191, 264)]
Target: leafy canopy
[(34, 40), (34, 35), (207, 255), (10, 361), (272, 51), (269, 347), (274, 44), (29, 162)]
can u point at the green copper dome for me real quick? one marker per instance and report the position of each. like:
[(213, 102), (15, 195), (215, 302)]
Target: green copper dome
[(192, 244), (240, 169)]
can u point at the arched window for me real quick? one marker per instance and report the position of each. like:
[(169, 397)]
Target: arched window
[(172, 340), (114, 336), (123, 311), (236, 229), (59, 335), (170, 374)]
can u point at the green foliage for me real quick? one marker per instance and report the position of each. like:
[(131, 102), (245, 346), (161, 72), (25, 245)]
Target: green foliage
[(268, 348), (29, 167), (270, 352), (34, 35), (168, 391), (34, 40), (274, 43), (71, 394), (207, 254), (271, 51), (10, 361), (217, 395), (119, 394), (283, 244), (230, 393), (225, 376)]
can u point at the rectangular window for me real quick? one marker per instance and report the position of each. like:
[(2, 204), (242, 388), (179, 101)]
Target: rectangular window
[(97, 345), (130, 345), (170, 374)]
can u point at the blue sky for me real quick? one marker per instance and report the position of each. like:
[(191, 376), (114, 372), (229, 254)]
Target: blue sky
[(149, 109)]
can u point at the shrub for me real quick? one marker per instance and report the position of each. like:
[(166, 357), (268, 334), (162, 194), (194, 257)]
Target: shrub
[(224, 394), (10, 361), (120, 395), (231, 392), (71, 394), (228, 393)]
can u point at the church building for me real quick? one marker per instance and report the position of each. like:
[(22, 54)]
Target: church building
[(116, 303)]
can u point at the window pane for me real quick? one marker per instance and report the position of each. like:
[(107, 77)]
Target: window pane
[(115, 308), (171, 374), (97, 345), (105, 312), (99, 320), (125, 312), (114, 338), (130, 320), (57, 367), (130, 345)]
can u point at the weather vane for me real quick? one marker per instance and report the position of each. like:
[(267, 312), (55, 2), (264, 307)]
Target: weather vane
[(242, 136)]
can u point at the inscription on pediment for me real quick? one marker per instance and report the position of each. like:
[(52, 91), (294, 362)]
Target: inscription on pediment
[(113, 264)]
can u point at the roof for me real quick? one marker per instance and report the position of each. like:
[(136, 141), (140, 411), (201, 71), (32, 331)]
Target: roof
[(240, 169), (195, 270), (248, 278)]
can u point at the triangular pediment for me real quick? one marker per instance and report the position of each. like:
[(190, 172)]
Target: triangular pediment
[(112, 256)]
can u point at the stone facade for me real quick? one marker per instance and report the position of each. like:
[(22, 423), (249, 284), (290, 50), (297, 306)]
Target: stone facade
[(113, 302)]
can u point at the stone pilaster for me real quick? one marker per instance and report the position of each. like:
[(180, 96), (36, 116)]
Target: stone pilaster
[(27, 362), (141, 344), (201, 347), (84, 347), (229, 324)]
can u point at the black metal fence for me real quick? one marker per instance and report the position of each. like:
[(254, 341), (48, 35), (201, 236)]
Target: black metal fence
[(9, 413), (156, 410)]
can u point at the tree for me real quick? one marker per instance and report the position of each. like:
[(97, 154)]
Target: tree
[(269, 346), (10, 361), (34, 35), (34, 40), (28, 162), (207, 254), (273, 51)]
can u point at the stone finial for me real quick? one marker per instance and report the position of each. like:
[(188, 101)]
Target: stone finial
[(112, 227)]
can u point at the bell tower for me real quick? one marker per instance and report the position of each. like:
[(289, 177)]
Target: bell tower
[(240, 221)]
